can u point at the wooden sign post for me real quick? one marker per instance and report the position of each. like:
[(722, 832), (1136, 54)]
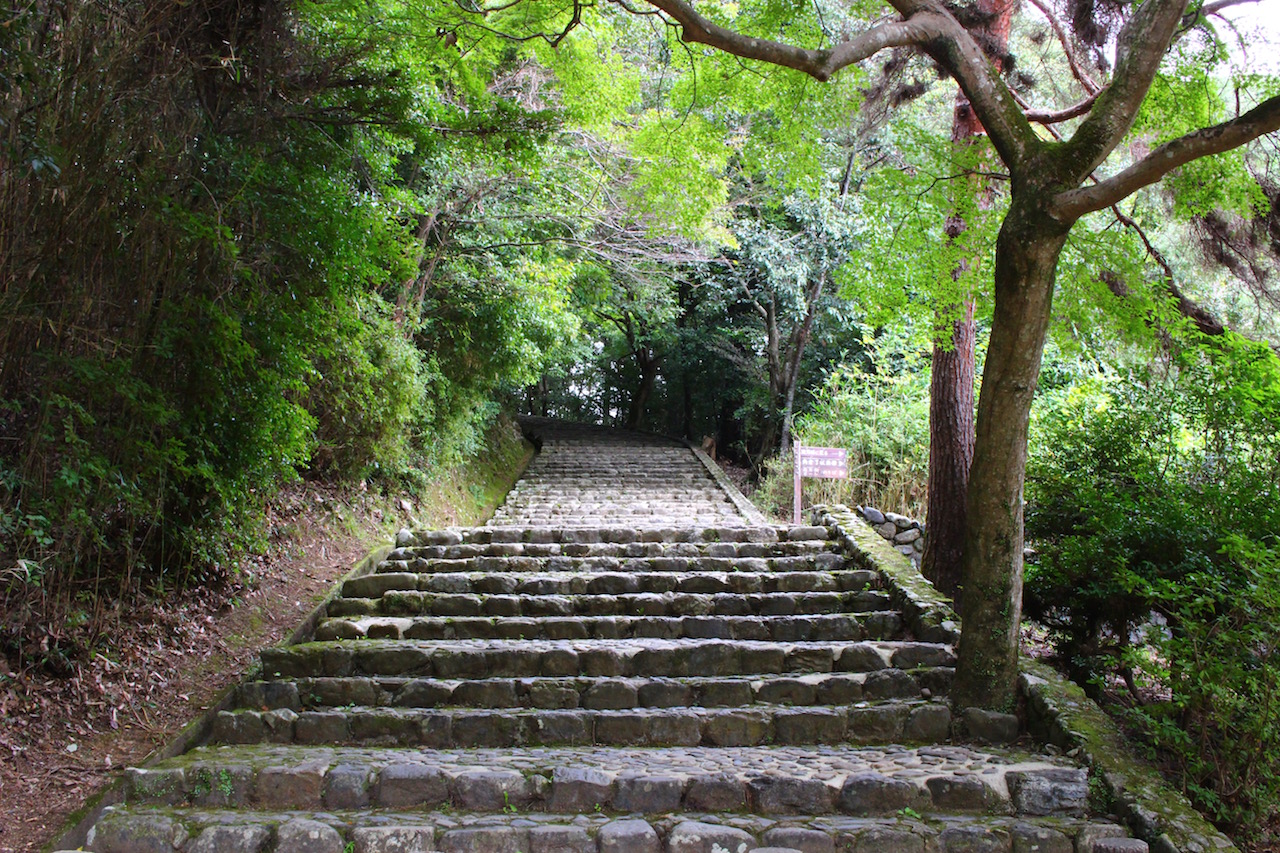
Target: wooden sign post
[(823, 463)]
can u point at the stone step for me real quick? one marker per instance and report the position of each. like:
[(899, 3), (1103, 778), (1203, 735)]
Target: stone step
[(824, 561), (620, 551), (613, 533), (610, 582), (823, 627), (638, 657), (130, 829), (668, 604), (597, 693), (776, 780), (464, 728)]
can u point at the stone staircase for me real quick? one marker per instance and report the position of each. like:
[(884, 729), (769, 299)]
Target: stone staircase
[(622, 660)]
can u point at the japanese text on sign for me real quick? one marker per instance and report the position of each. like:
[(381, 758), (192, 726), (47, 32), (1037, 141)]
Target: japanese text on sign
[(827, 463)]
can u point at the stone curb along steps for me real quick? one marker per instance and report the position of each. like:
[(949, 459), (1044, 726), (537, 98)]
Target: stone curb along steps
[(1059, 712), (623, 659)]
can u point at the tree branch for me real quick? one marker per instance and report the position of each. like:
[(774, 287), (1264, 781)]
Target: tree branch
[(1047, 117), (925, 24), (819, 64), (1140, 48), (1204, 319), (1264, 118), (1077, 70)]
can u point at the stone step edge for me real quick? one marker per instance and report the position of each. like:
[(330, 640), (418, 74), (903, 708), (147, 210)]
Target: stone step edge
[(261, 832), (820, 689), (824, 627), (590, 533), (561, 582), (824, 562), (895, 721), (1027, 790), (532, 658)]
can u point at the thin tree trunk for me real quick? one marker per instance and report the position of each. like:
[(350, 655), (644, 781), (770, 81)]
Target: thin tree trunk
[(648, 365)]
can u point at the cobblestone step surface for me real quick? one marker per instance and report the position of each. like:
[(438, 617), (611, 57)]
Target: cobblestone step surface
[(823, 561), (458, 728), (778, 780), (362, 831), (624, 659), (598, 693), (530, 658), (744, 580), (710, 624), (621, 551), (412, 602)]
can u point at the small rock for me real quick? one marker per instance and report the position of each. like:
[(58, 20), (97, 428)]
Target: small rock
[(231, 839), (628, 836), (1059, 791), (560, 839), (1120, 845), (873, 515), (990, 726), (307, 836), (393, 839), (694, 837)]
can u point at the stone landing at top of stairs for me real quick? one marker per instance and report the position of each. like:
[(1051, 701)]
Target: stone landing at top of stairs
[(623, 660), (587, 476)]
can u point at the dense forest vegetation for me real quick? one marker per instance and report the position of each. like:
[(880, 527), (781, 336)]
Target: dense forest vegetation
[(243, 243)]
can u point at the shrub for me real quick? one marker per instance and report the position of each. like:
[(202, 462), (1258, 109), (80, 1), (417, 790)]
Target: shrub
[(882, 419), (1153, 510)]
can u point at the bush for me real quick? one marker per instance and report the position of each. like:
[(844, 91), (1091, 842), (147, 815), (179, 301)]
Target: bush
[(1153, 506), (882, 419), (1220, 727)]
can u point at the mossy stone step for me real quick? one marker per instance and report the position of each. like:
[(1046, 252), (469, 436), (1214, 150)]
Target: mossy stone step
[(597, 693), (619, 550), (461, 728), (649, 657), (814, 561), (610, 534), (452, 831), (609, 582), (875, 625), (603, 606), (849, 780)]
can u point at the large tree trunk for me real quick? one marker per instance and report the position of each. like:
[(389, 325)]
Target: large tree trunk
[(950, 454), (1026, 258), (951, 434)]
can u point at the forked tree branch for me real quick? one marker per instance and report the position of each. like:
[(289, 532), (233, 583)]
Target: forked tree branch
[(1077, 70), (1262, 119), (1140, 48), (925, 24), (819, 64), (1048, 117)]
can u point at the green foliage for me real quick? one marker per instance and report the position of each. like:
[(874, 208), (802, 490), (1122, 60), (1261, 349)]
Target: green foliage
[(1153, 511), (879, 412), (1221, 724)]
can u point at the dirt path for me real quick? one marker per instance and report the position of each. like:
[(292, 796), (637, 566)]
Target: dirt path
[(64, 739)]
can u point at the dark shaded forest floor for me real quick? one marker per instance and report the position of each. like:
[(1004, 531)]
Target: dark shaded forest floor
[(64, 739)]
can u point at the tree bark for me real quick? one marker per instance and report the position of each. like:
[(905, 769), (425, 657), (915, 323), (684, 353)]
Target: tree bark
[(1027, 252), (951, 439), (647, 362), (951, 432)]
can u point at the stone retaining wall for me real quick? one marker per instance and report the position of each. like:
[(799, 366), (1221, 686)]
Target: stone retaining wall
[(906, 535), (1058, 711)]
